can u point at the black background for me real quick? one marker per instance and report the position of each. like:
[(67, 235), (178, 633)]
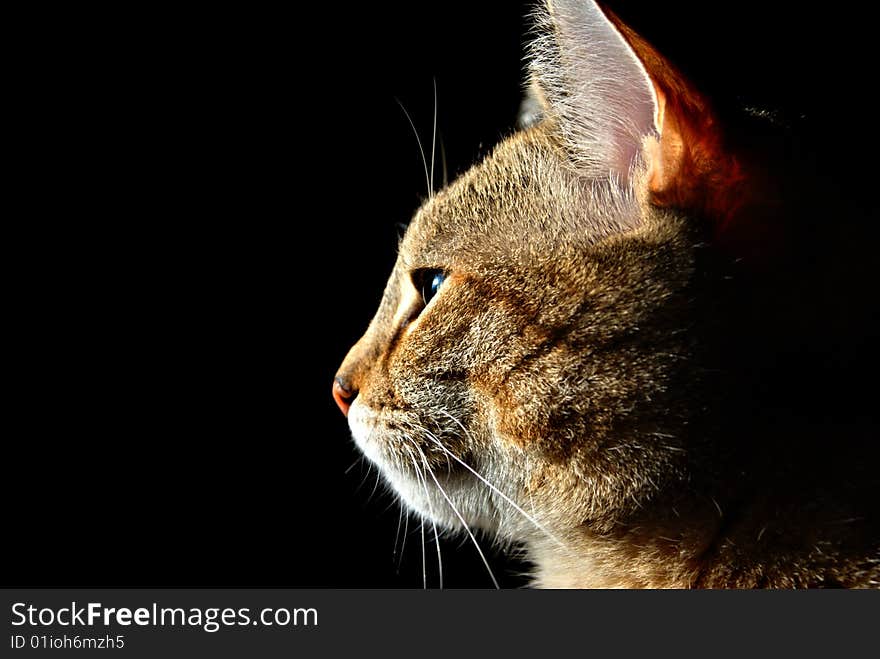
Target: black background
[(212, 205)]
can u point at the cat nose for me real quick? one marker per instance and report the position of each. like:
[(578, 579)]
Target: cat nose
[(343, 393)]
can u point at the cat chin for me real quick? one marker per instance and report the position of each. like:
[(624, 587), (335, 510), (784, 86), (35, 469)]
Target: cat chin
[(424, 499), (433, 506)]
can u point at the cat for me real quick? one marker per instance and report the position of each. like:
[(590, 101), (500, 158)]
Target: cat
[(611, 342)]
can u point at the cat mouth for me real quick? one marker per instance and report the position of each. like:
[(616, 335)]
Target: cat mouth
[(392, 442)]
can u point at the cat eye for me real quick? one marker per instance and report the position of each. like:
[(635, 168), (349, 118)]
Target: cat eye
[(428, 282)]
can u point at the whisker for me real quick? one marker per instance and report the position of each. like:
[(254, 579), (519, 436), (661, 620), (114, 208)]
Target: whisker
[(364, 477), (460, 518), (390, 505), (424, 565), (433, 137), (537, 524), (421, 150), (430, 510), (421, 478), (375, 485), (405, 533), (353, 465), (397, 534)]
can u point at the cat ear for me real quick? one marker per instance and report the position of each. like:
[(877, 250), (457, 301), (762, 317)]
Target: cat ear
[(621, 107), (596, 89)]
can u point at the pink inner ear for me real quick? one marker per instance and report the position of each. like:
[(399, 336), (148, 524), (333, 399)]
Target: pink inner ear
[(595, 87)]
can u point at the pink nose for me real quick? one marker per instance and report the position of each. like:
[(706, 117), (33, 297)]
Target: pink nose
[(342, 395)]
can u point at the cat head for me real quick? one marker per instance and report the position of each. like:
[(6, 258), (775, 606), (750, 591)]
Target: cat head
[(531, 368)]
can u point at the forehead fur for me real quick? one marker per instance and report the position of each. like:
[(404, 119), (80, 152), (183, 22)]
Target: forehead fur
[(524, 198)]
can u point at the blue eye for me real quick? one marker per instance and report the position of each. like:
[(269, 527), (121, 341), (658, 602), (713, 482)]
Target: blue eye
[(428, 282)]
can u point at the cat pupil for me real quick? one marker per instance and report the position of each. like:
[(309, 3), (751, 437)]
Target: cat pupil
[(431, 282)]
